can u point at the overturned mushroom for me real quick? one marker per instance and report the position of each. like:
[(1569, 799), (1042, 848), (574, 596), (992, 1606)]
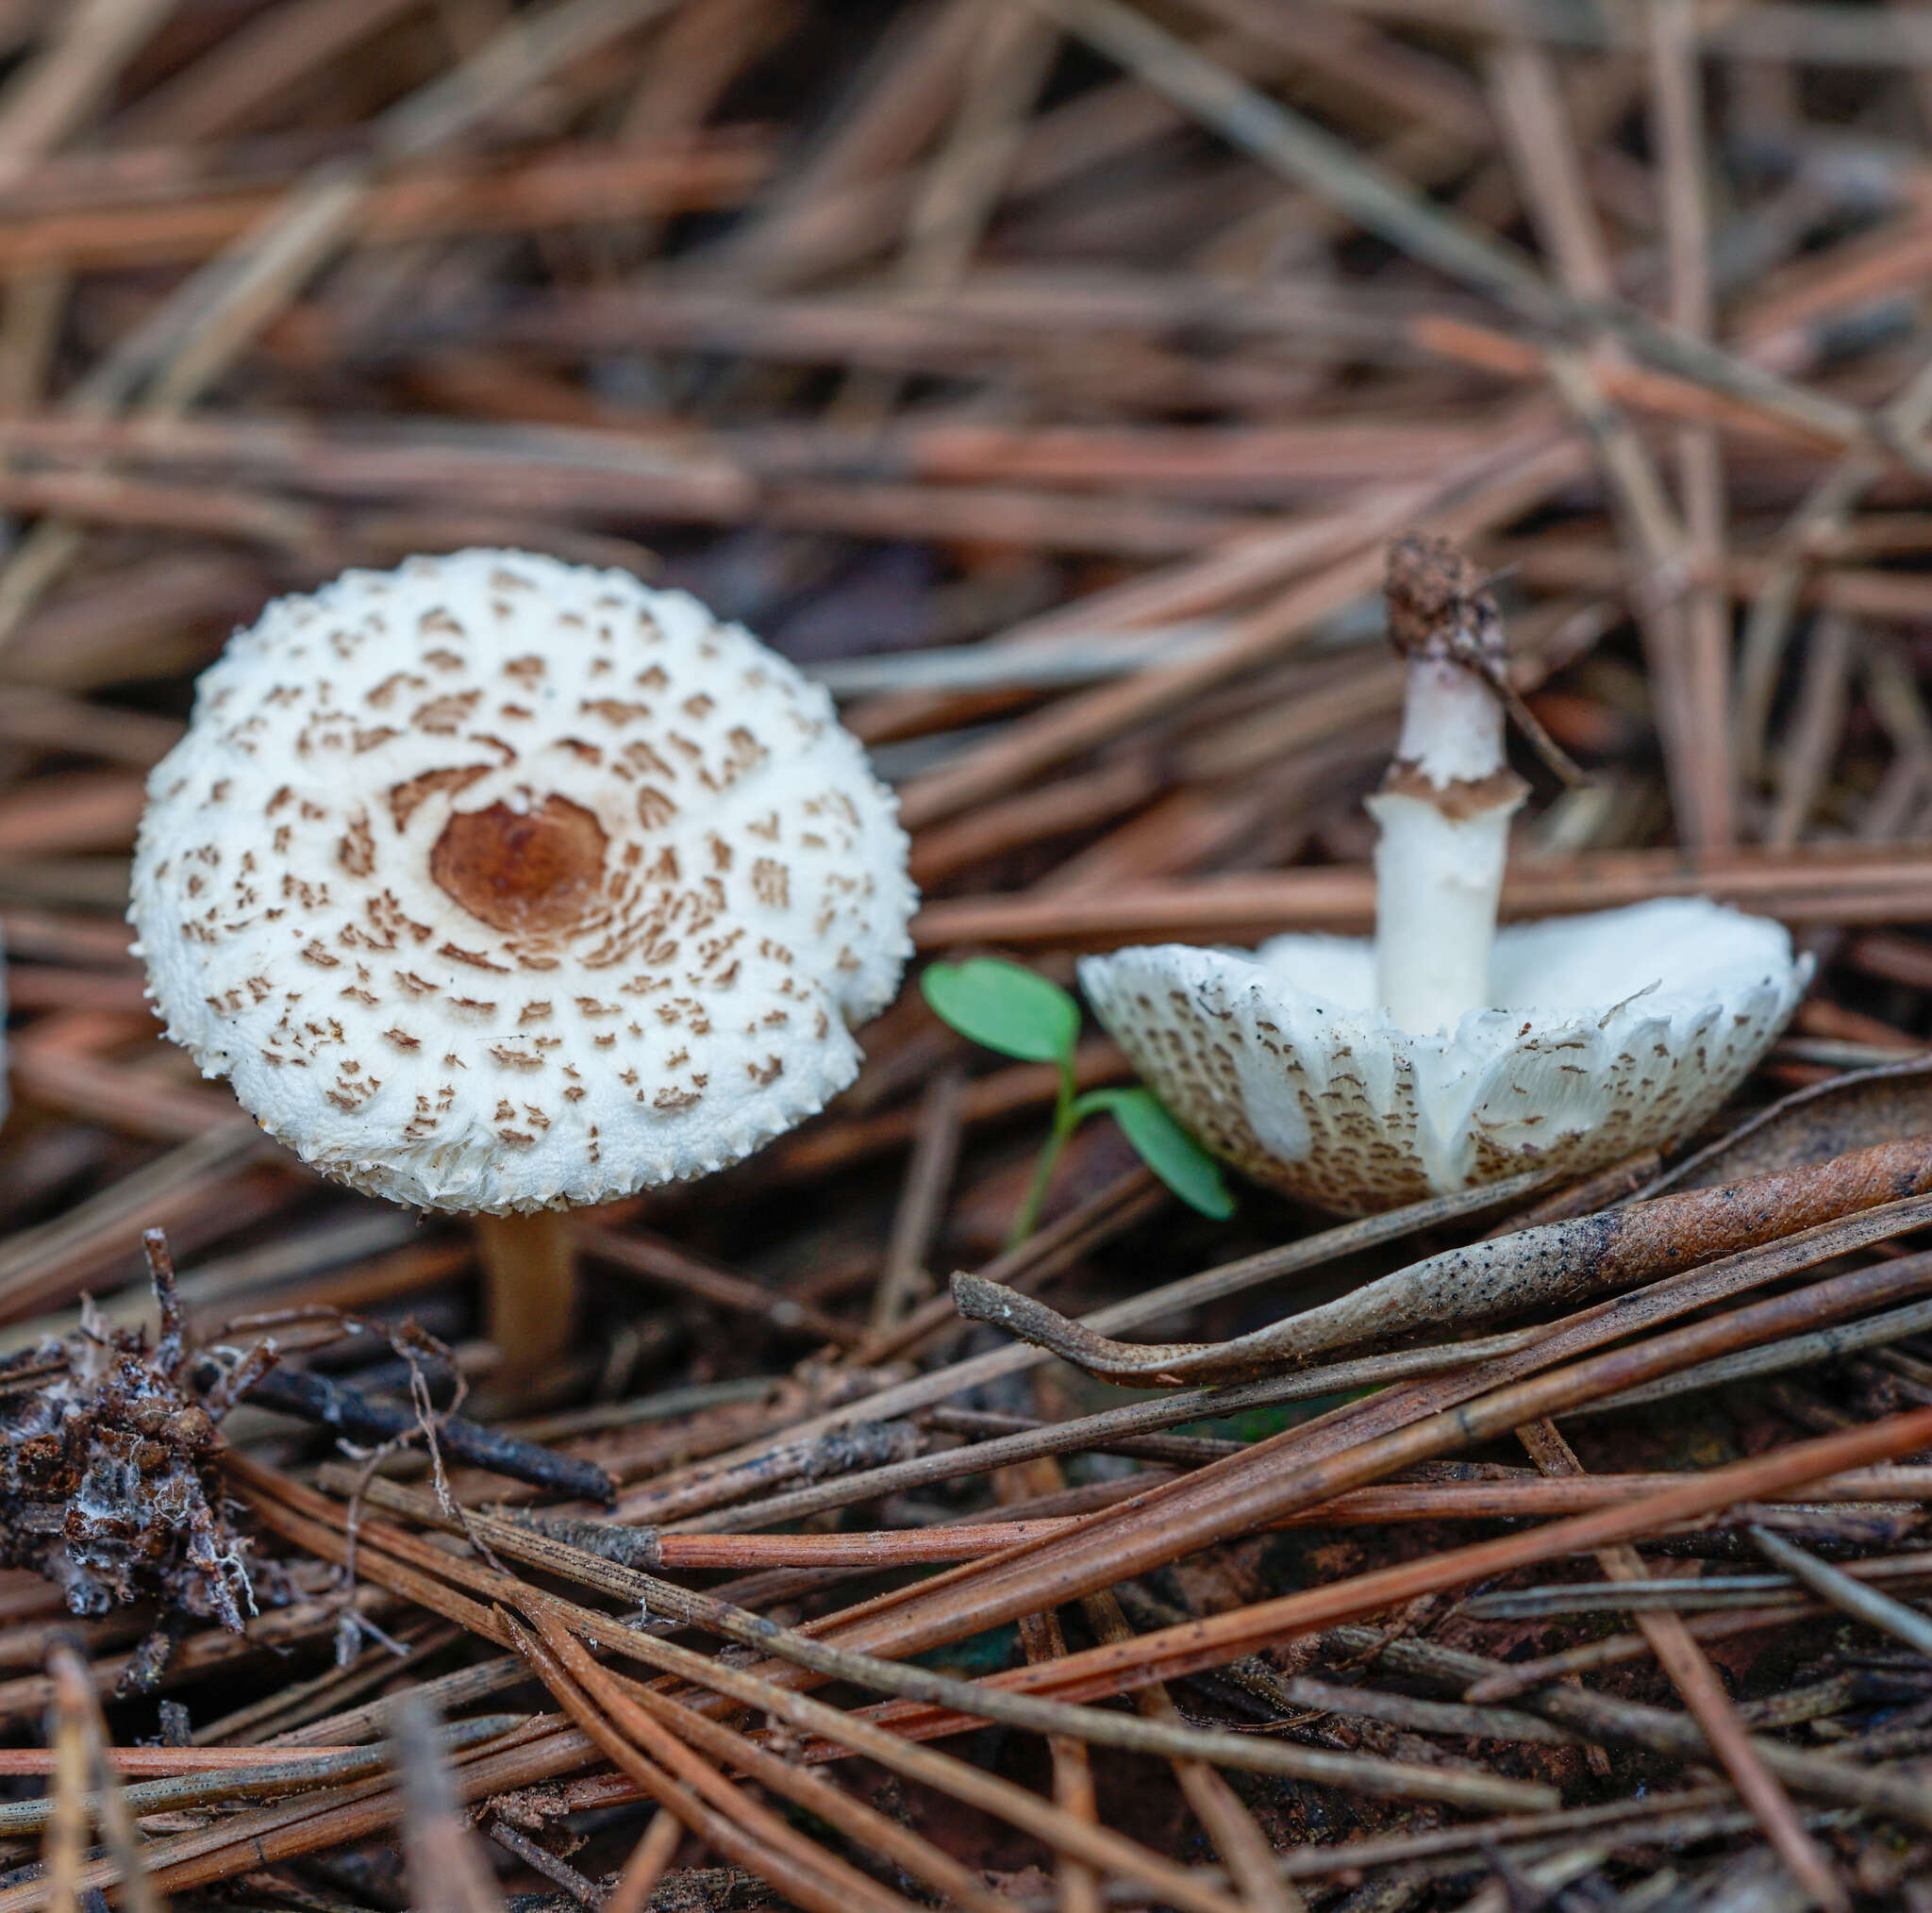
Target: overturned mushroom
[(1443, 1054), (500, 886)]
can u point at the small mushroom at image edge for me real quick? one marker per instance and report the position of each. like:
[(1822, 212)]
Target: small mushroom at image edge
[(501, 885), (1358, 1073)]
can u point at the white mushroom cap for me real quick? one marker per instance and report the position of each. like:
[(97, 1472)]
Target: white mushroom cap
[(499, 884), (1611, 1034)]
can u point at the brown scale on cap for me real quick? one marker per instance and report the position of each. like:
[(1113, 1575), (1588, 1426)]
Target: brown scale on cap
[(530, 873)]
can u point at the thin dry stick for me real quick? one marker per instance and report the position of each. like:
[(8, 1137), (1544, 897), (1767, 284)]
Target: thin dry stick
[(1121, 1206), (646, 1865), (640, 1253), (736, 1751), (708, 1804), (1179, 1650), (1826, 509), (1314, 159), (1853, 1597), (1677, 121), (1395, 1850), (225, 1773), (1370, 1441), (1076, 1886), (1423, 1717), (1389, 1502), (1843, 884), (225, 1763), (630, 1708), (49, 96), (1552, 1264), (1798, 1351), (180, 350), (1675, 1594), (317, 1523), (1508, 1682), (1109, 1852), (1252, 1864), (1096, 1431), (1192, 1291), (1804, 760), (64, 1848), (447, 1872), (551, 1866), (1692, 1675), (1658, 1730), (859, 1823), (82, 1731), (922, 1204), (1012, 53)]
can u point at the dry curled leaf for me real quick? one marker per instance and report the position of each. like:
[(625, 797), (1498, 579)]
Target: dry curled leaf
[(1815, 1124), (1554, 1264)]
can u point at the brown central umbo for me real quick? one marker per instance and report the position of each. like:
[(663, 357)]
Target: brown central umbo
[(527, 872)]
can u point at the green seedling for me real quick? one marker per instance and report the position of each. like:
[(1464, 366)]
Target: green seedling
[(1004, 1007)]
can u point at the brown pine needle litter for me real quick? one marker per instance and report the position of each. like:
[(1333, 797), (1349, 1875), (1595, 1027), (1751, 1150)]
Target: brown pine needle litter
[(1047, 379)]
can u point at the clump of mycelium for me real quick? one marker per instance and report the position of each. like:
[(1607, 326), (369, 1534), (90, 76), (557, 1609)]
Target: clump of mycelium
[(107, 1478)]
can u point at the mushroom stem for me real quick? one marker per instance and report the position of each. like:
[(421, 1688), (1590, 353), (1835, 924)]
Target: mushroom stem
[(530, 1284), (1443, 810), (1437, 883)]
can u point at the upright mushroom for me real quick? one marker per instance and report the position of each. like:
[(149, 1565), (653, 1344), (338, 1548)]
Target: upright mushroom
[(1358, 1074), (502, 885)]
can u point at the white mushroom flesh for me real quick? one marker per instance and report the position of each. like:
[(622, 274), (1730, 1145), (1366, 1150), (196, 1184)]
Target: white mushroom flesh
[(1438, 881), (1443, 814), (1608, 1034), (497, 883)]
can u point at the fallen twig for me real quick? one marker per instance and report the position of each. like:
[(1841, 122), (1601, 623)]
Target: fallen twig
[(1556, 1264)]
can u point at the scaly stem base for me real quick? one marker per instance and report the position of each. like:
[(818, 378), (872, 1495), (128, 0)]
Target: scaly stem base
[(530, 1287)]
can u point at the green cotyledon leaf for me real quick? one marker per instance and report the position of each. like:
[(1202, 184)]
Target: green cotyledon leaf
[(1004, 1007), (1166, 1148)]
